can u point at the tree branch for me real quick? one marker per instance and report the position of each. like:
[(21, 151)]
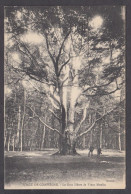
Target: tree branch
[(54, 114), (93, 124), (82, 120), (52, 96), (36, 88), (57, 58), (24, 46), (47, 44), (108, 122), (62, 85), (116, 131), (43, 121), (106, 93), (96, 86), (63, 66), (89, 129)]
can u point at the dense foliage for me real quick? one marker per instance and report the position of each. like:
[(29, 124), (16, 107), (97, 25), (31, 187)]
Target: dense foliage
[(65, 66)]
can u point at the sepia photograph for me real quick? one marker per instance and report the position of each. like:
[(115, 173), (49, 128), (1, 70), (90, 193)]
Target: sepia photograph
[(64, 97)]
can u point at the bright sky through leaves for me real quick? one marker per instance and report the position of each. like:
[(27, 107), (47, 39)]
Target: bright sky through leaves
[(96, 22)]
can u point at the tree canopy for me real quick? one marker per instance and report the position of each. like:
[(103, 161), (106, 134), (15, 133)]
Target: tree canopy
[(74, 56)]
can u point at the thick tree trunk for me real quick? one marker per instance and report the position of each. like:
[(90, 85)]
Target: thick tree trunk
[(68, 144), (68, 139), (73, 143)]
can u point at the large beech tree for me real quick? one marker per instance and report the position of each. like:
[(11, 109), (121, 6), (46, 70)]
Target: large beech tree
[(73, 55)]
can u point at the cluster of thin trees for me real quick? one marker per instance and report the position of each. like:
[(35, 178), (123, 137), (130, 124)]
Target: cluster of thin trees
[(64, 77), (26, 131)]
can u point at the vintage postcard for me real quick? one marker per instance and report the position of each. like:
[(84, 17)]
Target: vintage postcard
[(64, 99)]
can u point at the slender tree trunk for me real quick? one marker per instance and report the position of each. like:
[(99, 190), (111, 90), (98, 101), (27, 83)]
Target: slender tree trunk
[(43, 138), (4, 133), (83, 141), (4, 141), (91, 138), (38, 135), (30, 145), (18, 126), (39, 125), (43, 134), (21, 141), (101, 135), (13, 143), (91, 132), (22, 125), (8, 146), (119, 134)]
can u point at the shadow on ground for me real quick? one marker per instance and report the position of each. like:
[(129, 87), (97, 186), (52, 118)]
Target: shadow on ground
[(39, 166)]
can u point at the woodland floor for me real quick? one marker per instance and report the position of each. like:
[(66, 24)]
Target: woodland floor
[(41, 169)]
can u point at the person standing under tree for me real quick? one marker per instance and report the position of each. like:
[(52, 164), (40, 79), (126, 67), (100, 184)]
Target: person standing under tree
[(99, 152), (91, 149)]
